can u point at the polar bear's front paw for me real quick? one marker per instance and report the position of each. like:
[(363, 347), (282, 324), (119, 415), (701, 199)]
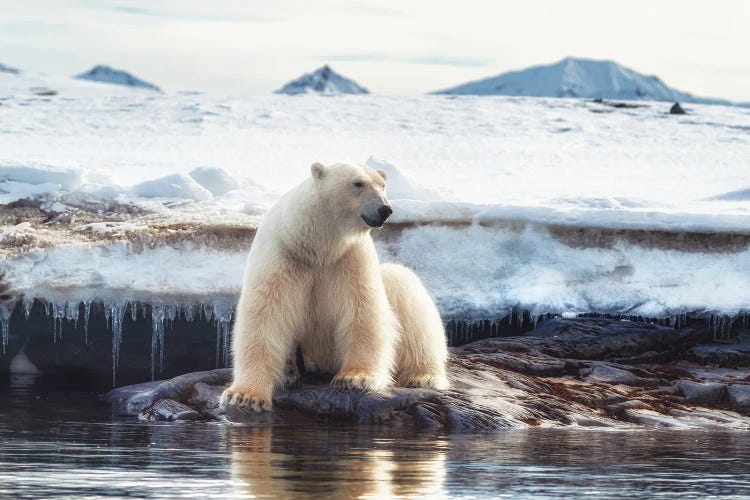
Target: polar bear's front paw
[(354, 379), (426, 381), (246, 398)]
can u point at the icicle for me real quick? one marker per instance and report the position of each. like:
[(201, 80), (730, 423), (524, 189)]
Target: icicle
[(133, 311), (116, 315), (26, 305), (208, 312), (171, 312), (222, 315), (71, 313), (58, 314), (86, 317), (4, 328), (157, 338), (189, 312)]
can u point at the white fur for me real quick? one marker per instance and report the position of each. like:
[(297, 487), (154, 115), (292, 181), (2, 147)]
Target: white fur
[(313, 278)]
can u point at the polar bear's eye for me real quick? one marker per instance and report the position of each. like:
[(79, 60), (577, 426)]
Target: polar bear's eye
[(359, 184)]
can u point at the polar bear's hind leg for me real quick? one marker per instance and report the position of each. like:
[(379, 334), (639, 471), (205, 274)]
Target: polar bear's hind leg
[(422, 351)]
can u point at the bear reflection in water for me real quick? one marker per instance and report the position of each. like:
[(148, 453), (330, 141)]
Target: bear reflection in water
[(262, 466)]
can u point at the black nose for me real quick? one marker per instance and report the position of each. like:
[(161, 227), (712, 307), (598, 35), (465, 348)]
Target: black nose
[(384, 212)]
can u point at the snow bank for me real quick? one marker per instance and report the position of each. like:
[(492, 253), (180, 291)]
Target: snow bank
[(117, 272), (18, 182), (400, 186), (175, 186), (483, 271), (214, 179), (66, 178)]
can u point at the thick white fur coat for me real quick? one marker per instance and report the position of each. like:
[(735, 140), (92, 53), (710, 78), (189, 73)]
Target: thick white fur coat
[(313, 279)]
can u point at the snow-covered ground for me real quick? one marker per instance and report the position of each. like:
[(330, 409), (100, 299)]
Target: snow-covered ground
[(559, 205)]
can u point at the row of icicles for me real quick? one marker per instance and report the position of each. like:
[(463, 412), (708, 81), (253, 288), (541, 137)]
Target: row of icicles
[(162, 317)]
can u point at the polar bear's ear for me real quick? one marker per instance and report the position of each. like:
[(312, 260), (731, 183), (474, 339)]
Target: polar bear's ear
[(318, 170), (383, 174)]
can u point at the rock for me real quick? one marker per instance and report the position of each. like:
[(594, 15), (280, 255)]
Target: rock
[(701, 392), (739, 395), (169, 409), (569, 372), (734, 355), (676, 109), (610, 375)]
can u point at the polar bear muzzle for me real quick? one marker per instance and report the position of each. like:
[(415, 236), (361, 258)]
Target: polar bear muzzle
[(379, 217)]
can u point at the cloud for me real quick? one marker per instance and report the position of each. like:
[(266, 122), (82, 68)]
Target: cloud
[(207, 17)]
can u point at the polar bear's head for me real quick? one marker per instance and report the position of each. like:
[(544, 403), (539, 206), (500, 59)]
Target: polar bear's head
[(354, 194)]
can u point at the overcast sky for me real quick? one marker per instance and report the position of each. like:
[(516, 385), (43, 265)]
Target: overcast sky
[(394, 47)]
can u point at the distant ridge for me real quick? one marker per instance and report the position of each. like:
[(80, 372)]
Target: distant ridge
[(106, 74), (322, 81), (573, 77), (8, 69)]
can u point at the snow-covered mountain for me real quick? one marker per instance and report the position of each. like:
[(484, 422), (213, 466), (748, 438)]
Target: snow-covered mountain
[(105, 74), (323, 81), (7, 69), (574, 77)]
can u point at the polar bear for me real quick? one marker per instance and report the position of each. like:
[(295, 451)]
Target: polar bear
[(313, 280)]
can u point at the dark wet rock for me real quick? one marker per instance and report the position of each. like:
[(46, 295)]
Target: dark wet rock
[(676, 109), (732, 355), (739, 395), (701, 392), (585, 372)]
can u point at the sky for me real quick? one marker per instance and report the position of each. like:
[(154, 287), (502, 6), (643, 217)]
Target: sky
[(391, 47)]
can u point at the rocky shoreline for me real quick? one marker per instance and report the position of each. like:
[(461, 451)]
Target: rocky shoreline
[(586, 372)]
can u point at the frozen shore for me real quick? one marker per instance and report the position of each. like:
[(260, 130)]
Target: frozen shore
[(141, 207), (593, 373)]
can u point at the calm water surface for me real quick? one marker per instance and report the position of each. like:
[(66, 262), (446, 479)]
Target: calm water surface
[(60, 442)]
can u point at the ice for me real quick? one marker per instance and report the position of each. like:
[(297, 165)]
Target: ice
[(176, 186), (478, 271), (548, 205), (4, 327), (65, 178), (215, 180), (158, 315)]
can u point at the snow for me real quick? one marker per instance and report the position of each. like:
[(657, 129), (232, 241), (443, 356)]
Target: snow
[(477, 271), (498, 201), (175, 186), (572, 77), (214, 179), (66, 178), (105, 74), (323, 81), (400, 186)]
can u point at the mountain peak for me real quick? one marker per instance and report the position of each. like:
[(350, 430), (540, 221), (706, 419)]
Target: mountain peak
[(577, 77), (106, 74), (322, 81), (8, 69)]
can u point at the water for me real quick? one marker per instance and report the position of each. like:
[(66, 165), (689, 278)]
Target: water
[(60, 442)]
